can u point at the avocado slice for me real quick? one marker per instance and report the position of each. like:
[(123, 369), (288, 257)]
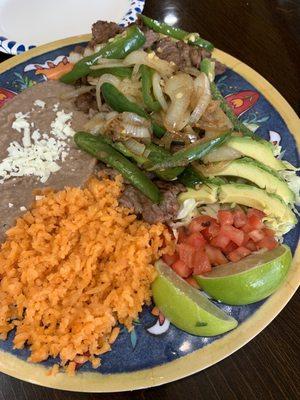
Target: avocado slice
[(206, 194), (279, 216), (253, 171), (259, 150)]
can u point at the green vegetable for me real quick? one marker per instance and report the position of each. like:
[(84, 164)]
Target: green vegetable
[(118, 102), (190, 177), (95, 146), (207, 66), (191, 153), (120, 72), (161, 27), (123, 44), (157, 155), (150, 102)]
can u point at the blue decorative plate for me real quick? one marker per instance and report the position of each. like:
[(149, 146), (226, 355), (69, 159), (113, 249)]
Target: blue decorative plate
[(156, 352), (24, 25)]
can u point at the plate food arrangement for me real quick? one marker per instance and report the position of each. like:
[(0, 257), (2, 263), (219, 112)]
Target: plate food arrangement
[(148, 208)]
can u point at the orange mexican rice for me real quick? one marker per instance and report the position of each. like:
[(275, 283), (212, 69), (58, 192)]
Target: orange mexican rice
[(72, 268)]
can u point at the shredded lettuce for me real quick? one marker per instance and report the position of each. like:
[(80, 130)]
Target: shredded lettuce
[(293, 181)]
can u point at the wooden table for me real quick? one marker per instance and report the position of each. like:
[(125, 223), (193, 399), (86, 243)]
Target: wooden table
[(265, 35)]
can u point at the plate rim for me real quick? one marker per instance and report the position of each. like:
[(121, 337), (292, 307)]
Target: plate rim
[(199, 359), (19, 47)]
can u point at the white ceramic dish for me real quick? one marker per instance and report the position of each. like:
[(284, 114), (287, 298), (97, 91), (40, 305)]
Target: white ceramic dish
[(26, 24)]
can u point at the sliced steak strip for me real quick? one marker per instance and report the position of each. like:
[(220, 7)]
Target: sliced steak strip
[(150, 212), (102, 31)]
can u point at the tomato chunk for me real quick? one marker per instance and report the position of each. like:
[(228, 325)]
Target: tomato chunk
[(256, 235), (268, 232), (225, 217), (215, 256), (251, 245), (267, 243), (200, 223), (230, 247), (238, 254), (196, 240), (239, 218), (186, 253), (234, 234), (212, 231), (182, 234), (192, 281), (254, 221), (201, 263), (181, 269), (221, 241), (254, 211), (170, 258)]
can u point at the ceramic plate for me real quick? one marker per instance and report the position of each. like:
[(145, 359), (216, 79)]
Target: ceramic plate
[(30, 23), (156, 352)]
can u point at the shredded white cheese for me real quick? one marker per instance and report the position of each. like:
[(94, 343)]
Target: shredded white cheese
[(10, 205), (22, 208), (39, 103), (38, 153)]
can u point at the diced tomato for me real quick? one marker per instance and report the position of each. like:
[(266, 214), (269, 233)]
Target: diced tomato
[(254, 211), (254, 221), (234, 234), (200, 223), (182, 234), (186, 253), (268, 232), (238, 254), (246, 239), (229, 248), (201, 262), (215, 256), (181, 269), (170, 258), (225, 217), (250, 245), (239, 218), (212, 231), (221, 241), (256, 235), (267, 243), (196, 240), (192, 281)]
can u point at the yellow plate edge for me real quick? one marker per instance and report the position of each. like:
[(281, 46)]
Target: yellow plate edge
[(199, 359)]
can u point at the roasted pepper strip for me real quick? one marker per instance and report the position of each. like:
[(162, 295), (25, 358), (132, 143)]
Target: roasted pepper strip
[(190, 177), (191, 153), (120, 72), (123, 44), (176, 33), (150, 102), (118, 102), (207, 66), (95, 146)]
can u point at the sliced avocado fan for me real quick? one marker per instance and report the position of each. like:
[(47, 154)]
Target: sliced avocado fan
[(253, 171), (279, 216)]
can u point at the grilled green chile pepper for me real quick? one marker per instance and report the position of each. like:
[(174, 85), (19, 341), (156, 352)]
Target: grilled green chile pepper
[(95, 146), (158, 155), (176, 33), (118, 102), (120, 72), (207, 66), (191, 153), (123, 44), (190, 177), (150, 102)]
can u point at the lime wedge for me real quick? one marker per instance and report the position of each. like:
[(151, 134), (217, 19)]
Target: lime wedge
[(186, 307), (252, 279)]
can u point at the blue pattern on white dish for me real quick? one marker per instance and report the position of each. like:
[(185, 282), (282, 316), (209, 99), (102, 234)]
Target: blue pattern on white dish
[(141, 349), (9, 46)]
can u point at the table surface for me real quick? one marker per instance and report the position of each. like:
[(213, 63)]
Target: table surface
[(265, 34)]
